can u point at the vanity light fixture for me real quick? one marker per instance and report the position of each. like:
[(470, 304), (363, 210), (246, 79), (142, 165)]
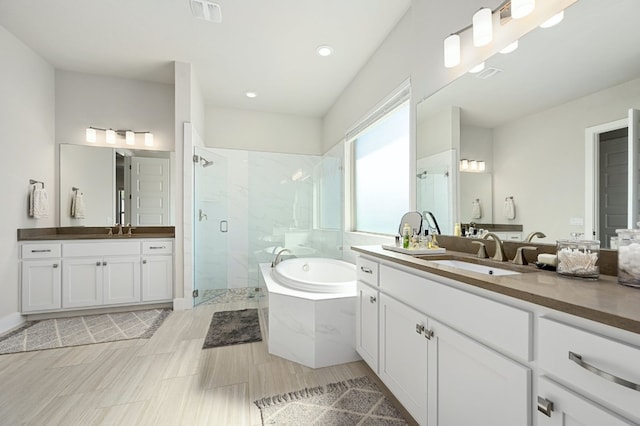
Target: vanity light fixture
[(554, 20), (482, 27), (324, 50), (510, 47), (452, 51), (91, 135), (477, 68), (472, 165), (521, 8)]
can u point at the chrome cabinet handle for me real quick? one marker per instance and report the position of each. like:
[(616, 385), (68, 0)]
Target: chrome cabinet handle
[(419, 328), (98, 263), (545, 406), (41, 251), (55, 265), (428, 334), (366, 270), (104, 263), (372, 299), (144, 262), (157, 247), (607, 376)]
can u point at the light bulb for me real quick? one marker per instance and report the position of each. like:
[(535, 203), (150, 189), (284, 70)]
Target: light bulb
[(482, 166), (90, 135), (521, 8), (130, 137), (452, 51), (510, 47), (554, 20), (111, 136), (148, 139), (482, 27), (473, 165), (464, 164)]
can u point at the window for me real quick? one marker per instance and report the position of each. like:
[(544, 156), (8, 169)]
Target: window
[(380, 169)]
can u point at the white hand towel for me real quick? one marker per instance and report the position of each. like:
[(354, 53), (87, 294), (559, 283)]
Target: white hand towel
[(509, 208), (77, 206), (39, 204), (476, 209)]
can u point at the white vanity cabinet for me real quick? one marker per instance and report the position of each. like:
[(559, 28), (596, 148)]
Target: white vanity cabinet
[(99, 273), (367, 324), (157, 270), (85, 274), (404, 337), (40, 277)]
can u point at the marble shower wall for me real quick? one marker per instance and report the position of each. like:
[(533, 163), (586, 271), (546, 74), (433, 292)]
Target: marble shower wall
[(269, 201)]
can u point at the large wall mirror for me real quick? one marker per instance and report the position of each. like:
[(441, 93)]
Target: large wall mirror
[(527, 117), (102, 186)]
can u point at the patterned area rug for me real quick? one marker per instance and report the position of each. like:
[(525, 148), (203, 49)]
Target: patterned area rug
[(232, 328), (352, 402), (84, 330)]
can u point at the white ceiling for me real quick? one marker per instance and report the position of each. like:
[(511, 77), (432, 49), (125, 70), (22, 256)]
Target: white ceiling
[(595, 47), (262, 46)]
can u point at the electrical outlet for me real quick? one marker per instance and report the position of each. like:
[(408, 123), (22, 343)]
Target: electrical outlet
[(578, 221)]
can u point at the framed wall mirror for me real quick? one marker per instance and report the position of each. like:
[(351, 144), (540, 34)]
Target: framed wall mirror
[(527, 116), (103, 186)]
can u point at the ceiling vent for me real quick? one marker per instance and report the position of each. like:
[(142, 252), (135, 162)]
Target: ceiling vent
[(488, 73), (209, 11)]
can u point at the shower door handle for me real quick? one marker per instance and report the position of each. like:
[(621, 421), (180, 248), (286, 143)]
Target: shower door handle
[(201, 215), (224, 226)]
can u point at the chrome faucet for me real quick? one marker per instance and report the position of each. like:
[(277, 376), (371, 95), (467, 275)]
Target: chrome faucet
[(535, 234), (277, 258), (499, 255)]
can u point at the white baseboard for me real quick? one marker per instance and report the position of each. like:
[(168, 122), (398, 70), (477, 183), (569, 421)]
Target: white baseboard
[(11, 321), (182, 304)]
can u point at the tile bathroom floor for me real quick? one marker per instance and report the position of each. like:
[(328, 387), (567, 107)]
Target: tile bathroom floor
[(165, 380)]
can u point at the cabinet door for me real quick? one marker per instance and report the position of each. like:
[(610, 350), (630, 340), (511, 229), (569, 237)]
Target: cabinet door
[(571, 409), (40, 285), (121, 280), (157, 278), (367, 325), (471, 384), (81, 282), (403, 355)]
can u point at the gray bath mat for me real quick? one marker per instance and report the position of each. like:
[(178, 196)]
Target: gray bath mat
[(232, 328), (83, 330), (351, 402)]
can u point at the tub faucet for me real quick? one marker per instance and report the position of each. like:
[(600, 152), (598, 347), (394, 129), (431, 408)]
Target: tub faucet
[(277, 258), (499, 256), (532, 235)]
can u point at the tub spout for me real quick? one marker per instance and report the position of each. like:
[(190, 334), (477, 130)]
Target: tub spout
[(277, 258)]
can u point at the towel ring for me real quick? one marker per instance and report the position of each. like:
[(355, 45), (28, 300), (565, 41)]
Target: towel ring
[(35, 182)]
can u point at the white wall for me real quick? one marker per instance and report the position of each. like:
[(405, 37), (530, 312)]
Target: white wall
[(84, 100), (542, 157), (262, 131), (27, 121)]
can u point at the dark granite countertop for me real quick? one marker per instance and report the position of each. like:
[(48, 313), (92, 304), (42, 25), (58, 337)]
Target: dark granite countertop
[(602, 300), (93, 233)]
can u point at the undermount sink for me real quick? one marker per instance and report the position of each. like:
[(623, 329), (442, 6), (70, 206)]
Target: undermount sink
[(474, 267)]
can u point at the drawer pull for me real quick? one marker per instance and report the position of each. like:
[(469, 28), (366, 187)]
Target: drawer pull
[(55, 265), (104, 263), (545, 406), (607, 376), (419, 328), (428, 334), (366, 270), (41, 251), (157, 247), (144, 262), (372, 299), (98, 263)]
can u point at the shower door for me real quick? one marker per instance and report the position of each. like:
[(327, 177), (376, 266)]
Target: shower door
[(210, 225)]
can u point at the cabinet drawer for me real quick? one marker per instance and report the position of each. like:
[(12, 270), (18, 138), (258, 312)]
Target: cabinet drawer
[(157, 247), (494, 323), (116, 248), (590, 363), (40, 251), (367, 271)]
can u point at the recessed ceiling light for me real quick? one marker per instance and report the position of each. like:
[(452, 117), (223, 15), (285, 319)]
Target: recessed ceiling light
[(324, 51), (251, 94)]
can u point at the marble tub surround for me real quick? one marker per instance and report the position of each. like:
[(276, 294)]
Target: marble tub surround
[(313, 329), (93, 232), (602, 300)]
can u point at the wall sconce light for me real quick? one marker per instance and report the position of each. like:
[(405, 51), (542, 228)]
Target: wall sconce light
[(110, 136), (452, 51), (472, 165), (521, 8), (482, 27)]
